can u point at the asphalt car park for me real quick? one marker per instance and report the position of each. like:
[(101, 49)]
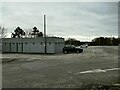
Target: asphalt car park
[(96, 65)]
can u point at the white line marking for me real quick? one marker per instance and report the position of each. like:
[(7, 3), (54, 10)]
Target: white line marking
[(112, 69), (97, 71)]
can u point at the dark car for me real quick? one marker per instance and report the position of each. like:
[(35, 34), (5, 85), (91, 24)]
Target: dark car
[(72, 49)]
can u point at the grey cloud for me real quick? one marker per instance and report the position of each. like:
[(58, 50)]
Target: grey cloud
[(64, 19)]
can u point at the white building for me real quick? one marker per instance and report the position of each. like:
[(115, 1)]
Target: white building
[(32, 45)]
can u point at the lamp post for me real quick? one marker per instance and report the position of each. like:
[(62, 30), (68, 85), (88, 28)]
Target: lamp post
[(111, 40), (45, 45), (100, 41)]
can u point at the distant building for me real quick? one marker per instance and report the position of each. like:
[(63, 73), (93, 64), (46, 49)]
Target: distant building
[(32, 45)]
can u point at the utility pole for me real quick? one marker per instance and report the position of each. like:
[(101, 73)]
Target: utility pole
[(99, 41), (89, 41), (45, 45), (111, 40)]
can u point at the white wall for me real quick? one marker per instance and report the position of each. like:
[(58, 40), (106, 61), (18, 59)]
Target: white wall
[(50, 48), (29, 47), (59, 47), (33, 48), (13, 47), (19, 47), (5, 47)]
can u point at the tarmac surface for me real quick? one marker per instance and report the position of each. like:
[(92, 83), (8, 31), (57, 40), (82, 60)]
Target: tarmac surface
[(96, 65)]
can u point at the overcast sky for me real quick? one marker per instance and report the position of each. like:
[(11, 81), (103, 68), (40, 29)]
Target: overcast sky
[(81, 20)]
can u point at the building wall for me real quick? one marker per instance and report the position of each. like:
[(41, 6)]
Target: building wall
[(59, 44), (6, 47), (13, 47), (32, 45), (19, 47), (50, 48)]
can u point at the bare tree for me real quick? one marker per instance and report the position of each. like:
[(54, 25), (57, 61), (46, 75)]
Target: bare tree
[(3, 32)]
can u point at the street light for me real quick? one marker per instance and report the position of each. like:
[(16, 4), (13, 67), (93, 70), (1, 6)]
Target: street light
[(111, 40), (45, 45)]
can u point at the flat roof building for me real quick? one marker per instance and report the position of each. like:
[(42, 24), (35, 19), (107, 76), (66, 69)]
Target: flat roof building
[(32, 45)]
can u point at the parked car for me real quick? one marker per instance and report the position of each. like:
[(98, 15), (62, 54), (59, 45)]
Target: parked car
[(84, 46), (72, 49)]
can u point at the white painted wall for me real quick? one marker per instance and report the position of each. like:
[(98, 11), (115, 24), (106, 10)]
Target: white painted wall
[(33, 48), (19, 47), (50, 48), (5, 47), (13, 47), (29, 47)]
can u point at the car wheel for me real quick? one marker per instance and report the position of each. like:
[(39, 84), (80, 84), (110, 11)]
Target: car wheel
[(65, 52)]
